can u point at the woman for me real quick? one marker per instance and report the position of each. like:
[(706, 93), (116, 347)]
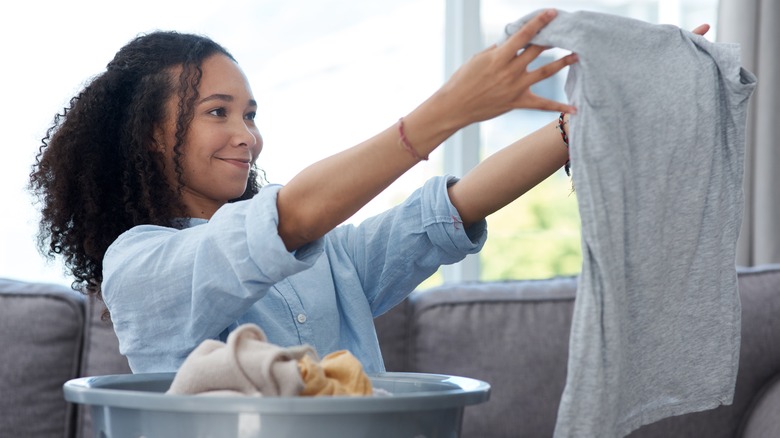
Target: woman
[(149, 192)]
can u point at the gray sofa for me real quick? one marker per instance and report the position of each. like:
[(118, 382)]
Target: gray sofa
[(511, 334)]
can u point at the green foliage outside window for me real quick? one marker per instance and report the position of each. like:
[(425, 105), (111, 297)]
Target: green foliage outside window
[(537, 236)]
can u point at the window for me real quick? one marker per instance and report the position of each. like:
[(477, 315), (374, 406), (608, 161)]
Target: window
[(327, 74)]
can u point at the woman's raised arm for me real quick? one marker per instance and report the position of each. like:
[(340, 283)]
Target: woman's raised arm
[(493, 82), (507, 174)]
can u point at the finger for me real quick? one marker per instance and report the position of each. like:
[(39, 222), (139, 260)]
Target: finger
[(552, 68), (702, 29), (532, 101), (522, 37), (531, 52)]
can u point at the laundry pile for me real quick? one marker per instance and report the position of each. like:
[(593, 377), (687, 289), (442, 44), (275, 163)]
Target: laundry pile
[(249, 365)]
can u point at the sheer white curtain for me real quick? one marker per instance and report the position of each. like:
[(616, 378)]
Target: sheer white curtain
[(753, 24)]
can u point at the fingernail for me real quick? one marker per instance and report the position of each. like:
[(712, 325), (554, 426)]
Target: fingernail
[(551, 12)]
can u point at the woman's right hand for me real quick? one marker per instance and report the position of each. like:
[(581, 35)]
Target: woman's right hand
[(493, 82), (497, 79)]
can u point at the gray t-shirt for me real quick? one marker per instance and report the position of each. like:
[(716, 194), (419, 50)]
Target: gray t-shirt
[(657, 151)]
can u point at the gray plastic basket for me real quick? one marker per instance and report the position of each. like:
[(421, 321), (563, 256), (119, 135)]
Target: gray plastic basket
[(135, 405)]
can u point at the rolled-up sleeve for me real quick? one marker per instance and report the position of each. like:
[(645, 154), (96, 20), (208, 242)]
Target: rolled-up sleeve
[(443, 224), (395, 251)]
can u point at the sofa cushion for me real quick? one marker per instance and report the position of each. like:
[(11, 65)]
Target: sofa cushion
[(763, 419), (392, 332), (101, 347), (41, 342), (513, 335), (100, 356)]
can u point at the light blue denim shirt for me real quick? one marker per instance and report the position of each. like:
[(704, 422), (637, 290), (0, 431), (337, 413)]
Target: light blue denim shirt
[(169, 289)]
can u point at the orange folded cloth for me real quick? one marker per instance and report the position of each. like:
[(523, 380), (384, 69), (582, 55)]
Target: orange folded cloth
[(247, 364), (339, 373)]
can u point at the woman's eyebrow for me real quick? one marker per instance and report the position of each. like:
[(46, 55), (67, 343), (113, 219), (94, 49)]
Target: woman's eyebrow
[(224, 98)]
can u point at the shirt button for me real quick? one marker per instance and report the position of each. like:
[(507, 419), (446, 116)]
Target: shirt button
[(301, 318)]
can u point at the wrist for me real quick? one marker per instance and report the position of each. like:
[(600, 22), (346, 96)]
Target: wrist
[(562, 125), (563, 128), (431, 123), (403, 140)]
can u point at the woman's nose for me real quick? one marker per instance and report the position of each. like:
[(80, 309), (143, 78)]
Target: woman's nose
[(244, 134)]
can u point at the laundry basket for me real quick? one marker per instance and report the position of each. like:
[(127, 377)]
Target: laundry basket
[(418, 405)]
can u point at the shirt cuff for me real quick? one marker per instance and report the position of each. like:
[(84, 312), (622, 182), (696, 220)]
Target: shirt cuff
[(265, 247), (443, 224)]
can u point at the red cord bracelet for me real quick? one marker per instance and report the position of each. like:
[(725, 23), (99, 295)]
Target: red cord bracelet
[(405, 142)]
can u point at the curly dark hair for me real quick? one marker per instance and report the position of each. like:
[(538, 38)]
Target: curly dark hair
[(98, 171)]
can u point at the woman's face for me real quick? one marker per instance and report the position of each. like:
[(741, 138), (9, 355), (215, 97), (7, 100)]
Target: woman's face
[(222, 141)]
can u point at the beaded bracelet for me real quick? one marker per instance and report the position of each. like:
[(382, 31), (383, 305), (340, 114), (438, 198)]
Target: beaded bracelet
[(561, 122), (405, 142)]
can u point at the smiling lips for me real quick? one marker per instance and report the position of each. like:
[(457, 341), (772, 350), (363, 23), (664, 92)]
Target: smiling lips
[(238, 162)]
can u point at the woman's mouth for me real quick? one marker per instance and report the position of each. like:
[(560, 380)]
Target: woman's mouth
[(242, 163)]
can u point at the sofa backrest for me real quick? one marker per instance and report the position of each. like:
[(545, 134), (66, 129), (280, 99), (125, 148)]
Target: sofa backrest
[(515, 336), (512, 334)]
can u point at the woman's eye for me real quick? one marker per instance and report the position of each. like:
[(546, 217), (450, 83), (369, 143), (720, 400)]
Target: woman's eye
[(219, 112), (250, 115)]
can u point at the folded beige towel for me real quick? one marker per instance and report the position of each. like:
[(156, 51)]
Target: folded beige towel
[(247, 364)]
